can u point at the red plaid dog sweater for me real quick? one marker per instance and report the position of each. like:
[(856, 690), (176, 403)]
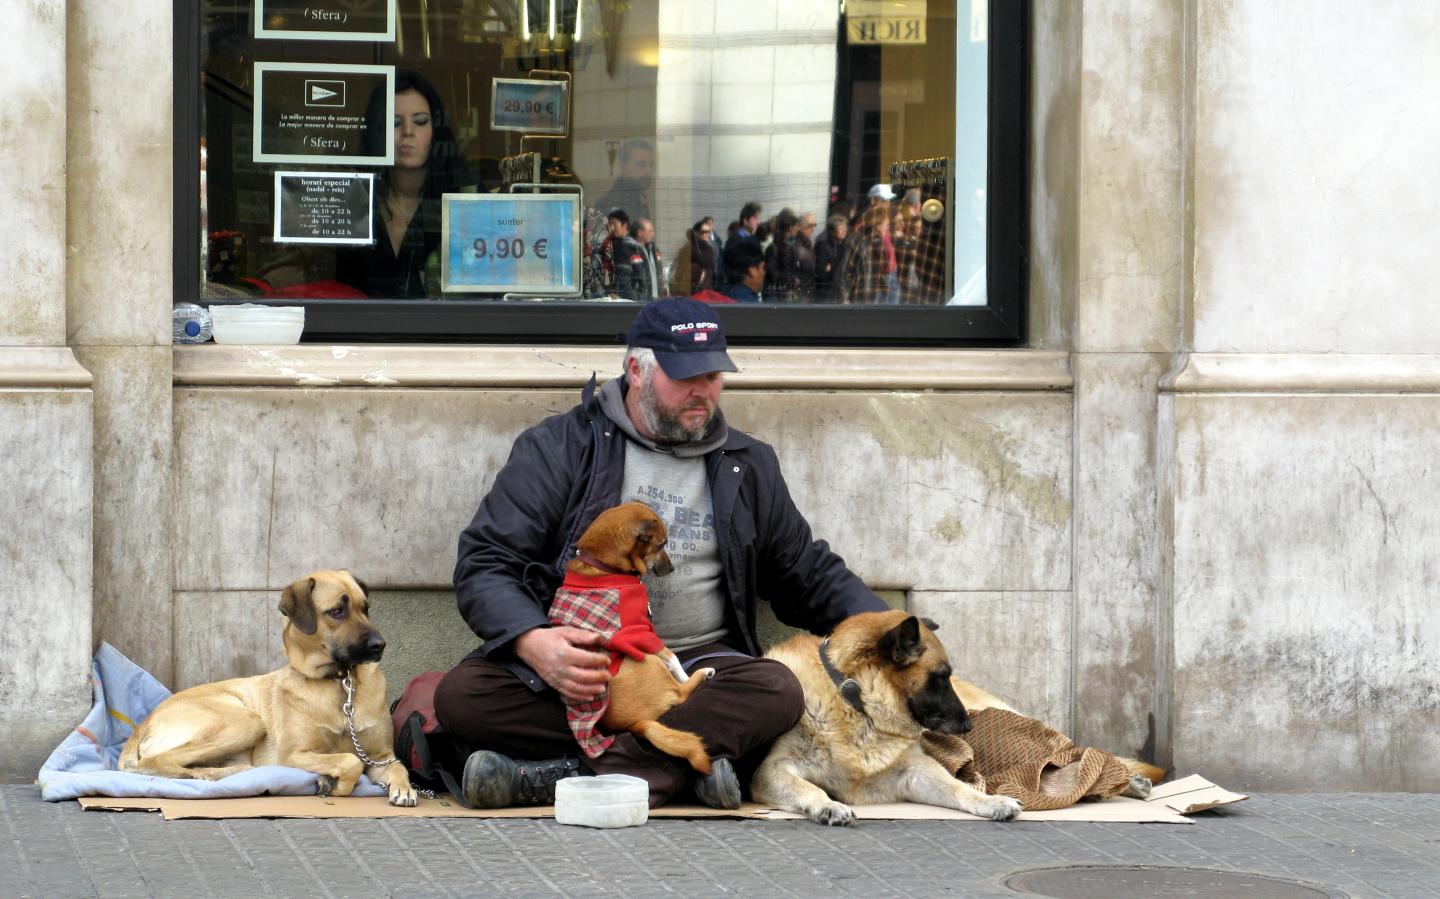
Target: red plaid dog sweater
[(617, 607)]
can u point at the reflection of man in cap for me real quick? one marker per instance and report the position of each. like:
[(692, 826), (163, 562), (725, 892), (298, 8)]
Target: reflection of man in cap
[(655, 434), (631, 190)]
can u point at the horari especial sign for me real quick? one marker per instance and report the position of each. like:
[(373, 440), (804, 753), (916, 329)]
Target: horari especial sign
[(326, 20), (324, 207), (318, 113)]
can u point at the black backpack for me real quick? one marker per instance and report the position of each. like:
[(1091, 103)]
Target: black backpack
[(421, 743)]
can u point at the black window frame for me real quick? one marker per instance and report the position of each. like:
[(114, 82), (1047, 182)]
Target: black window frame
[(1001, 322)]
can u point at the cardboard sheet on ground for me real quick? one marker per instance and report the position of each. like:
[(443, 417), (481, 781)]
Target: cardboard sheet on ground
[(1167, 805)]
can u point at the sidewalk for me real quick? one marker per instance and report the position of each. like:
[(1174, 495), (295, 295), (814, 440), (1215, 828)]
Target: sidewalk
[(1384, 845)]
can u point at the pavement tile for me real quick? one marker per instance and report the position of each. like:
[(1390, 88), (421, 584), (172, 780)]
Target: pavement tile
[(1367, 845)]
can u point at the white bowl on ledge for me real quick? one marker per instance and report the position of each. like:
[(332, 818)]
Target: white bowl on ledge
[(253, 323)]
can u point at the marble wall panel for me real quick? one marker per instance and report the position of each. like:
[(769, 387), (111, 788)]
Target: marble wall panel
[(225, 634), (32, 155), (1132, 158), (928, 491), (1014, 644), (1054, 171), (1118, 551), (45, 440), (1305, 576), (133, 439), (944, 491), (119, 90), (1312, 232), (272, 484)]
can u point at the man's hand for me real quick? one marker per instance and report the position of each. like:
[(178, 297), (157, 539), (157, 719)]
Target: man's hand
[(570, 659)]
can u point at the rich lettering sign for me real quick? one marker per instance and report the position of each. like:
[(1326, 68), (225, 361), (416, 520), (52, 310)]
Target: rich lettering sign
[(324, 207), (510, 243), (885, 21), (314, 113), (326, 20)]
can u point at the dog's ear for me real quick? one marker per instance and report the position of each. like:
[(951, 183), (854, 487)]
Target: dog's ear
[(295, 604), (930, 623), (647, 533), (902, 644)]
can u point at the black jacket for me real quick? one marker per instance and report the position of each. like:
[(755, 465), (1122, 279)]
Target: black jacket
[(568, 469)]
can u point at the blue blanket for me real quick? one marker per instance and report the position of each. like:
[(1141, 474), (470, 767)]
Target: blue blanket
[(84, 764)]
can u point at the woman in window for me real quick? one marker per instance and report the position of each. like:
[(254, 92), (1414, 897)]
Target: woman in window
[(869, 259), (404, 261), (695, 261), (782, 264)]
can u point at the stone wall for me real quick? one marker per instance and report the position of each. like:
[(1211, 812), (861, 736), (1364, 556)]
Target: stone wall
[(1193, 520), (45, 411)]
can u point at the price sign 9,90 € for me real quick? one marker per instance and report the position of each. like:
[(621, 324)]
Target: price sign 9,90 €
[(511, 243)]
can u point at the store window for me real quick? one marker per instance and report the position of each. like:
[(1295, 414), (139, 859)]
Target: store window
[(825, 172)]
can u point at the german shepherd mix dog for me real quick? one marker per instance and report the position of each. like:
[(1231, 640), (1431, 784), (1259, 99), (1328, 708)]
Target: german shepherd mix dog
[(293, 716), (602, 592), (871, 690)]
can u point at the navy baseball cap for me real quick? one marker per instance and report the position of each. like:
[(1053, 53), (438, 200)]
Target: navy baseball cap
[(685, 335)]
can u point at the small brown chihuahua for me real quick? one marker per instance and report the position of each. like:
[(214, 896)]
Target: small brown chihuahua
[(602, 592)]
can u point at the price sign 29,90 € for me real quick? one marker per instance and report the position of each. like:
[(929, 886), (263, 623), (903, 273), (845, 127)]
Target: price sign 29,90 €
[(534, 107), (510, 243)]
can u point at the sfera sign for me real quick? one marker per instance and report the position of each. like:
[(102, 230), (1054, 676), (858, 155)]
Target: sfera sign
[(326, 20), (318, 113)]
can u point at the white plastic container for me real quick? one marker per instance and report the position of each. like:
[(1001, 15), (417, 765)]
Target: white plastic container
[(609, 800), (253, 323)]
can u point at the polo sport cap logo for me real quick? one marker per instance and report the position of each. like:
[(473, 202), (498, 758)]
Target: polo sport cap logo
[(699, 331)]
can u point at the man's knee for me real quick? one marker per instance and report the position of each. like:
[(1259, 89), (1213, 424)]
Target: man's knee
[(784, 688)]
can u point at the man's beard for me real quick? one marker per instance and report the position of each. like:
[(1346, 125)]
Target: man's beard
[(665, 423)]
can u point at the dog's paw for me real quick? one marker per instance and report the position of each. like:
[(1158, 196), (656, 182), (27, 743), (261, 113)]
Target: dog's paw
[(403, 796), (999, 808), (1139, 788), (834, 814), (708, 672), (324, 785)]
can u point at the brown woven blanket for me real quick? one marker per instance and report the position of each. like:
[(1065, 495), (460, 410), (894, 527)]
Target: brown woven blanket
[(1011, 755)]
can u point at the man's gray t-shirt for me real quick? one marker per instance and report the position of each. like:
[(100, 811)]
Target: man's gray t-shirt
[(688, 604)]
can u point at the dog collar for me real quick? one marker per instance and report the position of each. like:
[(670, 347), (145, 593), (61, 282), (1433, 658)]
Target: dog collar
[(847, 686), (597, 564)]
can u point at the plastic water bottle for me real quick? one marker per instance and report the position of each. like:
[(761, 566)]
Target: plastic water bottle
[(190, 323)]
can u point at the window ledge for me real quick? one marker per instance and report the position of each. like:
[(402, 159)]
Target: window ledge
[(1305, 373), (406, 366), (41, 367)]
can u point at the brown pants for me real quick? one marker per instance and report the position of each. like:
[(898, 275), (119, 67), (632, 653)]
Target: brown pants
[(738, 714)]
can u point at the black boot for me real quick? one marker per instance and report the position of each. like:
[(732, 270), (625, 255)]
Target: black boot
[(493, 781), (720, 788)]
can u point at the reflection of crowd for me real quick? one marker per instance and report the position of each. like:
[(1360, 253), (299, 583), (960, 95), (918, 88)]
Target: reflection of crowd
[(873, 251)]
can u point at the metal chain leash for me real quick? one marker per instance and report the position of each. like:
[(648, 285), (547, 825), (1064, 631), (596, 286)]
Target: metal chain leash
[(349, 709)]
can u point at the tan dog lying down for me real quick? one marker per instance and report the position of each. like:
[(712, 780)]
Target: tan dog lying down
[(872, 690), (292, 716), (884, 722)]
